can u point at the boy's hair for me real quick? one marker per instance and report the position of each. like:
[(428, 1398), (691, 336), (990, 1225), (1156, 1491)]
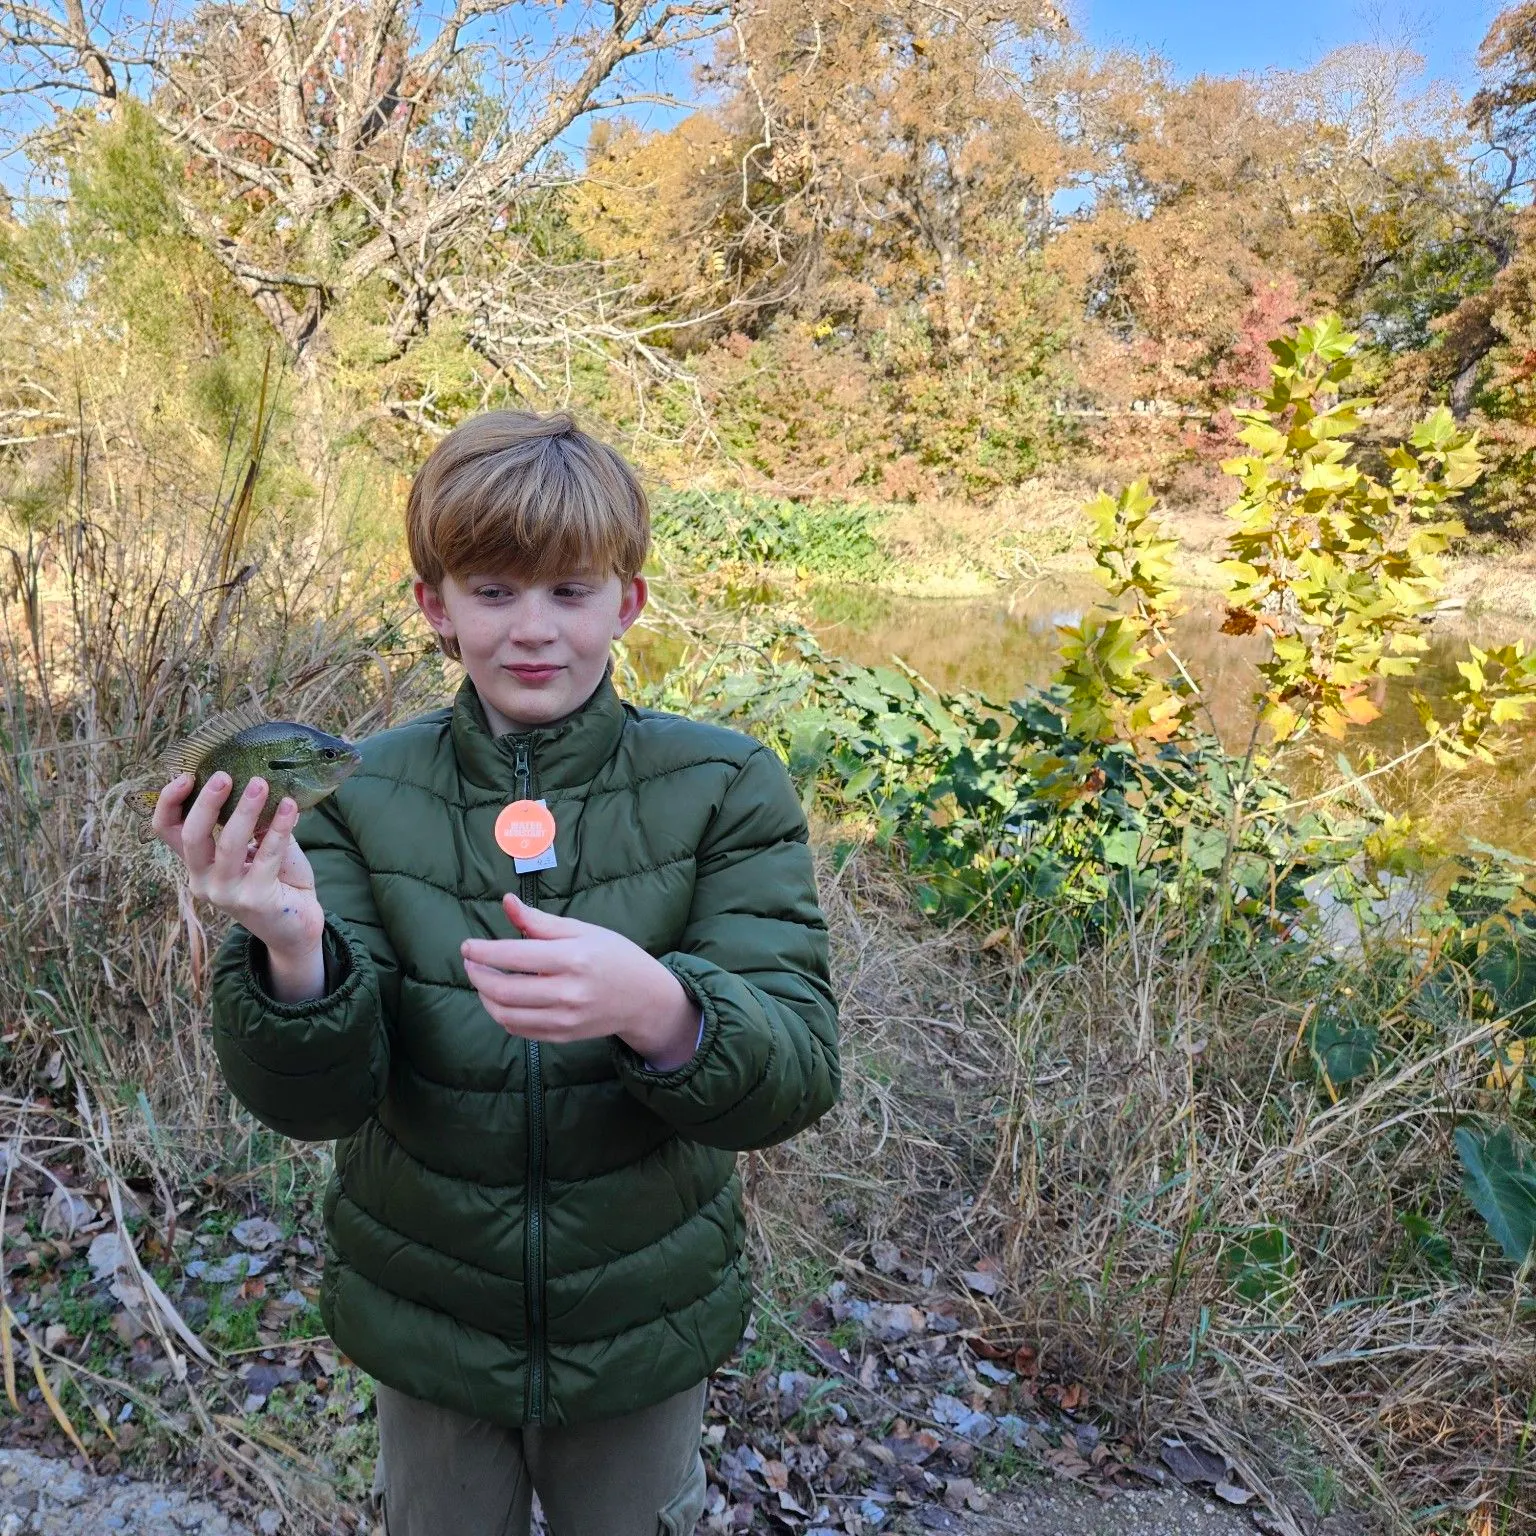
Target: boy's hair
[(515, 491)]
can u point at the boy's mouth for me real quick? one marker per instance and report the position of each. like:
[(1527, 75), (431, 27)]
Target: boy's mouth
[(533, 674)]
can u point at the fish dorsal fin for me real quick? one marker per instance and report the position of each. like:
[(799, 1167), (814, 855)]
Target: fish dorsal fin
[(188, 754)]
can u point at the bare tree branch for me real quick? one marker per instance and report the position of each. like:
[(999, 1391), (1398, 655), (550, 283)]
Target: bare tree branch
[(349, 142)]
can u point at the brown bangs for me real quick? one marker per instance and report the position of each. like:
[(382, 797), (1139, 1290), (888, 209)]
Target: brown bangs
[(535, 496)]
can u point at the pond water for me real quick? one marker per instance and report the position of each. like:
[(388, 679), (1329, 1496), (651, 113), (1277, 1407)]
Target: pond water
[(1001, 645)]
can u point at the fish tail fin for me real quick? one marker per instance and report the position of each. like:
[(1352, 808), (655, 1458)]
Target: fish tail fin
[(141, 806)]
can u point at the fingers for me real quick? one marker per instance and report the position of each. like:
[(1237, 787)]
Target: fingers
[(167, 805), (197, 828), (235, 839), (534, 1023), (534, 923), (547, 958), (274, 842), (512, 991), (166, 818)]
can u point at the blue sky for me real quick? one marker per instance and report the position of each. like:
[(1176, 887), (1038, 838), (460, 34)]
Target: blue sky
[(1220, 37), (1195, 36)]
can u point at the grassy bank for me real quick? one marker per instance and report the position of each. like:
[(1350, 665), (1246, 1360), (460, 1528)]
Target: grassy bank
[(957, 549), (1156, 1173), (1137, 1145), (1120, 1173)]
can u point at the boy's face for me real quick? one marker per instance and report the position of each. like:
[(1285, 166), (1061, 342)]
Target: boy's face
[(535, 651)]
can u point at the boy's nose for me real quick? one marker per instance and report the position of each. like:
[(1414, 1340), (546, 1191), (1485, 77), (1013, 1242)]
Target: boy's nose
[(533, 625)]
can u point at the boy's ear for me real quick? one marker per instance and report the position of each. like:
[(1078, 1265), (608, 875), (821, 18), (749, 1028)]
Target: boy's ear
[(632, 603), (433, 609)]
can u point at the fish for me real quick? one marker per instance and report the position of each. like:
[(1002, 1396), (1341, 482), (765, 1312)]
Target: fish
[(296, 760)]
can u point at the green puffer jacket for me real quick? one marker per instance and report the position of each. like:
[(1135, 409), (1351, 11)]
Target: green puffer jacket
[(525, 1233)]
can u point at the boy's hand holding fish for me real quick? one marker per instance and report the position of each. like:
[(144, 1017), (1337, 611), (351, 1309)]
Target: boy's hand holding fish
[(268, 890), (251, 777)]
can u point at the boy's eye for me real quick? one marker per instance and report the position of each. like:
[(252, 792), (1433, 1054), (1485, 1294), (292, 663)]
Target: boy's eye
[(565, 589)]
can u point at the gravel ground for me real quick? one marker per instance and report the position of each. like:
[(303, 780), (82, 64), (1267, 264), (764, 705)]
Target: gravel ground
[(1063, 1509), (47, 1496)]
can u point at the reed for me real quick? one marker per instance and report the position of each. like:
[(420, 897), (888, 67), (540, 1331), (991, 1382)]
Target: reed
[(136, 608)]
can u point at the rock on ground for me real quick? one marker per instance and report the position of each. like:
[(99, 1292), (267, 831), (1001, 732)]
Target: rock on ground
[(47, 1496)]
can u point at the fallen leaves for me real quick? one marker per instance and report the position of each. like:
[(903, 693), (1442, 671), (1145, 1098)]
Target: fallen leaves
[(256, 1232), (895, 1414), (1199, 1466), (897, 1393)]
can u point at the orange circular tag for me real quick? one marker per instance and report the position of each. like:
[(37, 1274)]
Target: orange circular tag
[(525, 829)]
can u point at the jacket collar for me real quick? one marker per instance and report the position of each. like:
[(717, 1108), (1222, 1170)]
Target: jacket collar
[(566, 752)]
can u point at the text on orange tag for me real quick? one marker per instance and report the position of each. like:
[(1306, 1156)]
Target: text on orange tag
[(525, 829)]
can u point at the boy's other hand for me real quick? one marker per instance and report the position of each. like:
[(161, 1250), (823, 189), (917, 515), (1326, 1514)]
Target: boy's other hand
[(577, 981)]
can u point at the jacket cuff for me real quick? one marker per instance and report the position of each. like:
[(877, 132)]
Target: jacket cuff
[(630, 1061), (343, 974)]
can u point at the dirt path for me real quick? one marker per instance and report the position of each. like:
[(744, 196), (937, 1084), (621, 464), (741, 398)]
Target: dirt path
[(47, 1496)]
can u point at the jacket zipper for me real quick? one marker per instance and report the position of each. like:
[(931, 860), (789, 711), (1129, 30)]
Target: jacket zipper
[(533, 1254)]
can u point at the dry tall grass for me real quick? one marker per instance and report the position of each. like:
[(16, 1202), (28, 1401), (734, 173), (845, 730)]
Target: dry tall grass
[(131, 611), (1114, 1134)]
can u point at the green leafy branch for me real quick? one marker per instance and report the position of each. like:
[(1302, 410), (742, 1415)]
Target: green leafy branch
[(1338, 566)]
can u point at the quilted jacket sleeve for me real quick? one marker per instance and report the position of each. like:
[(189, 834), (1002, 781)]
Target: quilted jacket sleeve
[(312, 1070), (754, 954)]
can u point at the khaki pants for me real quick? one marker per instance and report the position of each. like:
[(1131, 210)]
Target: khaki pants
[(442, 1474)]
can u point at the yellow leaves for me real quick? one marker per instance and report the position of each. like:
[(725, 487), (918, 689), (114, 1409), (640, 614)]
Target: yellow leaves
[(1282, 721), (1162, 720), (1262, 437), (1498, 689), (1239, 572), (1336, 710), (1463, 466), (1339, 566), (1107, 659), (1358, 709), (1328, 477), (1335, 566)]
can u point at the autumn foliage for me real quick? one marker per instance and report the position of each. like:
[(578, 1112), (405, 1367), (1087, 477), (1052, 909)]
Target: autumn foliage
[(895, 251)]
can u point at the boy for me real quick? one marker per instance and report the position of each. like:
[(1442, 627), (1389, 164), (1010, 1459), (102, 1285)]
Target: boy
[(539, 1065)]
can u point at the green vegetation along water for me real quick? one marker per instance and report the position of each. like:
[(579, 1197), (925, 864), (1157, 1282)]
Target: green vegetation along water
[(1000, 646)]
